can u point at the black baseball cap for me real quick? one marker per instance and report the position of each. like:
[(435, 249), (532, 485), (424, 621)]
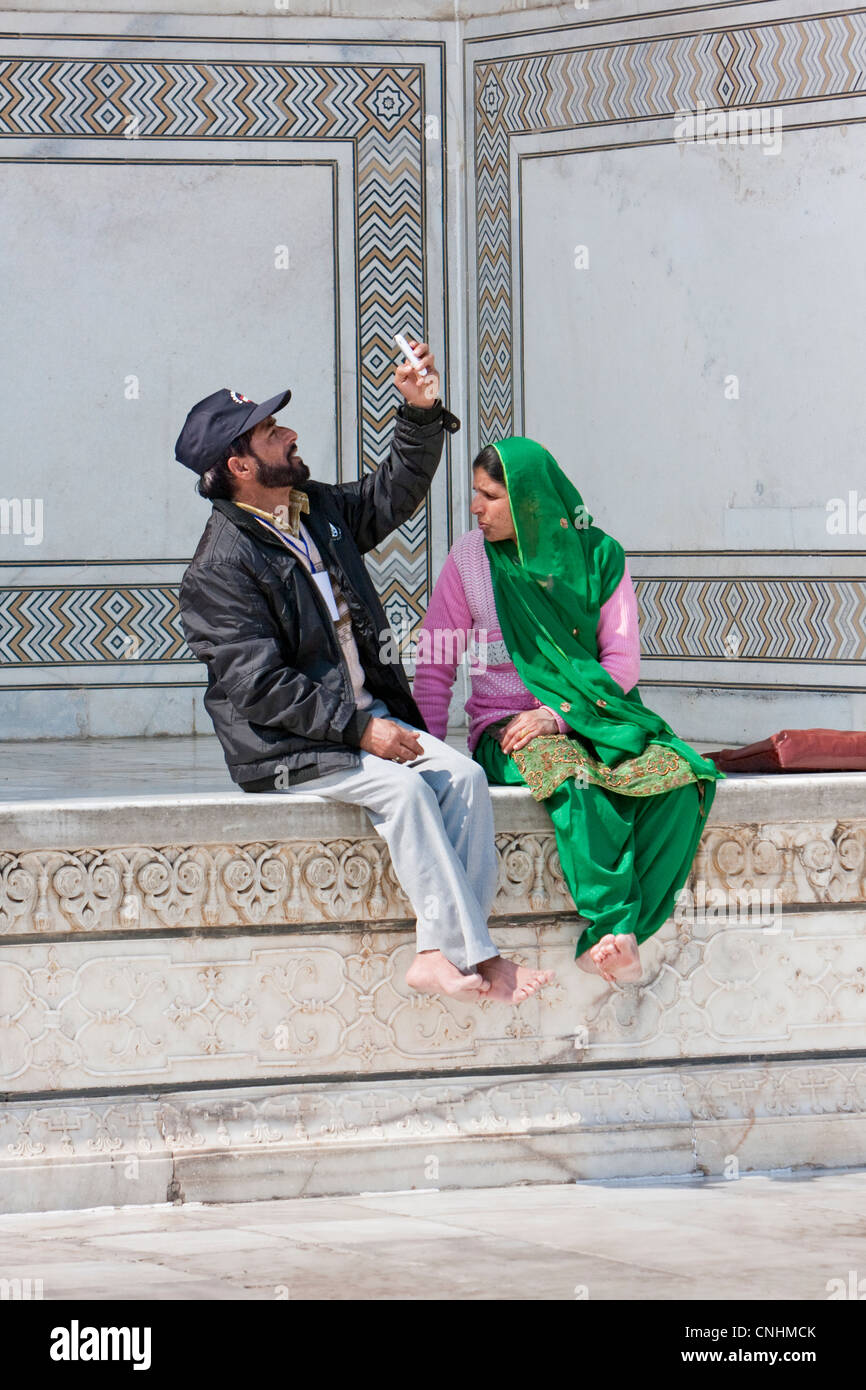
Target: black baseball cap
[(211, 426)]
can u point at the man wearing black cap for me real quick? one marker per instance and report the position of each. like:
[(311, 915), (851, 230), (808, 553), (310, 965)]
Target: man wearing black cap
[(301, 693)]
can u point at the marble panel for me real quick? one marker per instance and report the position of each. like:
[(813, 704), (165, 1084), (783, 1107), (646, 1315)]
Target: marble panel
[(83, 1013), (256, 1143)]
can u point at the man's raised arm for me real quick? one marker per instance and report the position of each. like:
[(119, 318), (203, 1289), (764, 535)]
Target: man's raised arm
[(383, 499)]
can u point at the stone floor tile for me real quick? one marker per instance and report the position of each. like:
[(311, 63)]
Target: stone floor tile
[(109, 1219), (474, 1267), (86, 1278), (760, 1237), (284, 1211), (352, 1231), (206, 1242)]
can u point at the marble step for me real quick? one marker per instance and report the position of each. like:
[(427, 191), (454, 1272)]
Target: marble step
[(173, 963)]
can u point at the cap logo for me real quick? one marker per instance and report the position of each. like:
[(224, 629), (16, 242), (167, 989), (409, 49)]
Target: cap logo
[(240, 399)]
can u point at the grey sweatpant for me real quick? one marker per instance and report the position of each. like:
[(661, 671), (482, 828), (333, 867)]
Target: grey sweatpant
[(436, 817)]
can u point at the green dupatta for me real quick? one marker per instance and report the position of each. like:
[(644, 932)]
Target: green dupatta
[(549, 588)]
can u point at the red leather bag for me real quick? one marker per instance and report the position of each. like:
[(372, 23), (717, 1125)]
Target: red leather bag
[(797, 750)]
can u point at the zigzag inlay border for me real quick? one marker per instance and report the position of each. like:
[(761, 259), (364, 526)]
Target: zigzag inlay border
[(766, 619), (792, 620)]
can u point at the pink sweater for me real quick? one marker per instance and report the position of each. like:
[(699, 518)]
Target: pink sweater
[(462, 601)]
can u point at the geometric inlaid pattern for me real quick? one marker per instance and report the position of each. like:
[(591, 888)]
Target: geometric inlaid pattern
[(634, 78), (765, 619), (64, 624), (378, 107), (783, 620)]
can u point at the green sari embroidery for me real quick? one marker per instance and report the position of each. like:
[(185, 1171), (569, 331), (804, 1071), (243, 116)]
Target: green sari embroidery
[(550, 759)]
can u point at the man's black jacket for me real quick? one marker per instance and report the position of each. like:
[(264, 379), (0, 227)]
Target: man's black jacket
[(279, 691)]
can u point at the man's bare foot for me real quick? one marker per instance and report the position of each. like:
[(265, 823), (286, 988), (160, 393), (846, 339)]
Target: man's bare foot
[(510, 982), (432, 973), (618, 958)]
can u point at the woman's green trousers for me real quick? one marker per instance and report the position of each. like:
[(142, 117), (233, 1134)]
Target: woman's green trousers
[(624, 858)]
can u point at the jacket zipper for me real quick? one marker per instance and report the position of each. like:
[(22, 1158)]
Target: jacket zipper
[(348, 689)]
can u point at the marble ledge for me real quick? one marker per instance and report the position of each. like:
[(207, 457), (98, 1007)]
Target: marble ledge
[(215, 817)]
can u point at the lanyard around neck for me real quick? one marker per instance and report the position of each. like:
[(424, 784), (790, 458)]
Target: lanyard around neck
[(290, 540), (320, 577)]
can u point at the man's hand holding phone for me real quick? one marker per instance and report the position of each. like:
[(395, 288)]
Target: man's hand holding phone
[(418, 382)]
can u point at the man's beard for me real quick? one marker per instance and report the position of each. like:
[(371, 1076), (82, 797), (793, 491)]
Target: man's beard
[(291, 473)]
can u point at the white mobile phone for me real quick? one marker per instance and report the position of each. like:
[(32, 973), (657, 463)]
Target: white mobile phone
[(405, 348)]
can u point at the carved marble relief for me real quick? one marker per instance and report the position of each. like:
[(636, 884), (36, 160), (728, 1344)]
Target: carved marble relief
[(145, 888)]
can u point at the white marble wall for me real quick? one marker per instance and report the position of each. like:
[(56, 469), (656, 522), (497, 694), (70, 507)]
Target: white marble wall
[(143, 276), (703, 263), (678, 323), (147, 287), (242, 238)]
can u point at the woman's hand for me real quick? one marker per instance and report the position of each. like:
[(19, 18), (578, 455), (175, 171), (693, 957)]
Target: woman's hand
[(526, 726)]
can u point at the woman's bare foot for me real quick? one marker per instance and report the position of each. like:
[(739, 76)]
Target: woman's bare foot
[(587, 963), (510, 982), (618, 958), (432, 973)]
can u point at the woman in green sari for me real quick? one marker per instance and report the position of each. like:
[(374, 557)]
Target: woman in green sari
[(627, 798)]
